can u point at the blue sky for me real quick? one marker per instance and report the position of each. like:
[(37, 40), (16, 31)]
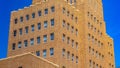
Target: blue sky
[(111, 17)]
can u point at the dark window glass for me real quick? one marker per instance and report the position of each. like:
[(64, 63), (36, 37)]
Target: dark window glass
[(39, 26), (45, 38), (38, 53), (45, 24), (32, 28), (52, 9), (51, 51), (20, 31), (15, 33), (33, 15), (32, 41), (16, 20), (38, 40), (19, 44), (39, 13), (21, 19), (20, 67), (52, 22), (13, 46), (26, 30), (27, 17), (25, 43), (46, 11), (44, 53), (52, 36)]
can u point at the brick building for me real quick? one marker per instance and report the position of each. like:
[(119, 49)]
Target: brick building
[(59, 34)]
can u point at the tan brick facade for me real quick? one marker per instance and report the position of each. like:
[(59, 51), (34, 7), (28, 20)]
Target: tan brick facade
[(71, 34)]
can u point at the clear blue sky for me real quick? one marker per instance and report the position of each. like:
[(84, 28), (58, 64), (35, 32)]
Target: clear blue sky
[(111, 17)]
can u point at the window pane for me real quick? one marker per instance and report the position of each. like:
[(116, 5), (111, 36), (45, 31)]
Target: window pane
[(19, 45), (52, 22), (63, 24), (46, 11), (39, 26), (13, 46), (39, 13), (45, 38), (45, 24), (53, 9), (15, 32), (16, 20), (63, 52), (52, 36), (33, 15), (32, 28), (32, 41), (38, 40), (26, 30), (27, 17), (21, 19), (44, 53), (20, 31), (51, 51), (63, 37), (38, 53), (25, 43)]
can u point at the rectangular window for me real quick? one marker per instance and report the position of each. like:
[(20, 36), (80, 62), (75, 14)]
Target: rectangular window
[(76, 45), (70, 1), (63, 37), (72, 57), (27, 17), (68, 13), (52, 36), (68, 26), (72, 16), (63, 52), (76, 19), (13, 46), (38, 53), (19, 44), (45, 38), (68, 40), (16, 20), (33, 15), (46, 11), (76, 32), (63, 10), (68, 55), (21, 19), (32, 28), (51, 51), (76, 59), (20, 31), (72, 43), (26, 30), (72, 30), (39, 26), (15, 33), (39, 13), (20, 67), (38, 40), (52, 9), (32, 41), (52, 22), (25, 43), (44, 53), (90, 63), (63, 24), (45, 24)]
